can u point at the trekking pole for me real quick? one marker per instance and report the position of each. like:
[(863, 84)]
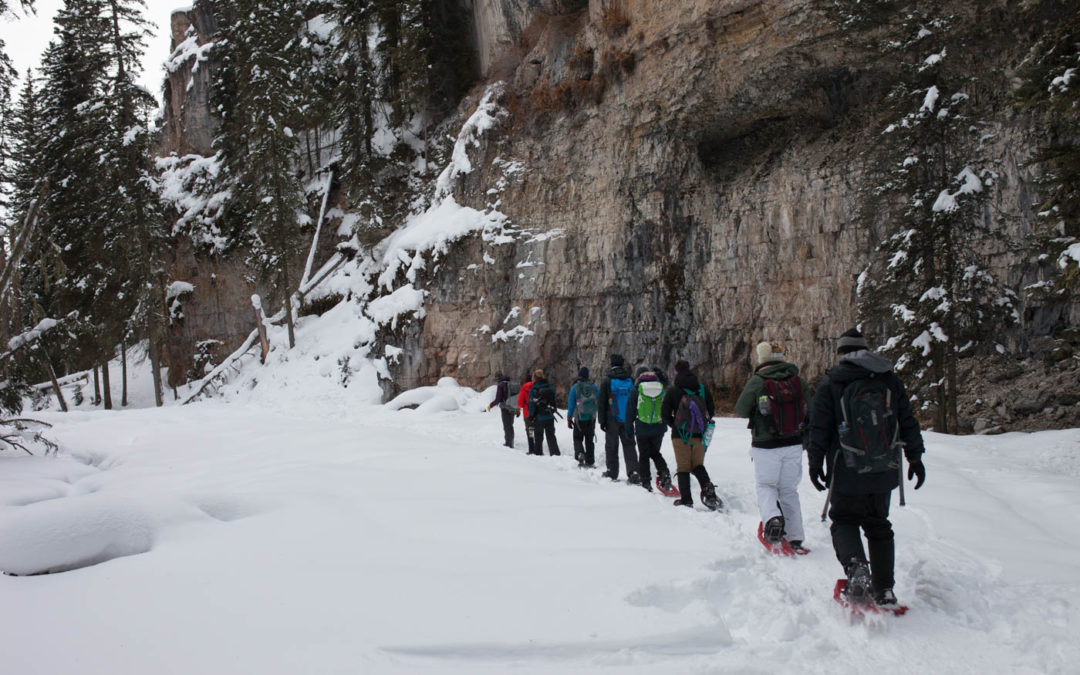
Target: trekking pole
[(832, 481), (900, 468), (828, 497)]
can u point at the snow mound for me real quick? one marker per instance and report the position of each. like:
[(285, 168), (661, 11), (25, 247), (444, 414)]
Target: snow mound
[(446, 396), (60, 535)]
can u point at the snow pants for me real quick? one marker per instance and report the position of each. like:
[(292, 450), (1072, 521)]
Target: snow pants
[(545, 428), (585, 442), (778, 472), (870, 512), (649, 449), (620, 432), (508, 427), (689, 459)]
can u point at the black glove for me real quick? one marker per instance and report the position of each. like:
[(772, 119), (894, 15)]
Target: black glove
[(818, 478), (570, 423), (603, 427), (917, 470)]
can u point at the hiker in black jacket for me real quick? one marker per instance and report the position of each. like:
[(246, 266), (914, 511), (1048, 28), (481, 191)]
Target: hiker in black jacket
[(542, 412), (614, 421), (860, 493), (689, 448), (507, 407)]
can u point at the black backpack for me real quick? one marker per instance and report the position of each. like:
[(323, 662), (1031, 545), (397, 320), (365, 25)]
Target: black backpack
[(787, 405), (869, 430), (545, 401)]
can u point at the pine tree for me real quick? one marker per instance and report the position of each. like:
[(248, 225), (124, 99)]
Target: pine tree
[(355, 95), (136, 210), (928, 285), (74, 226), (259, 100)]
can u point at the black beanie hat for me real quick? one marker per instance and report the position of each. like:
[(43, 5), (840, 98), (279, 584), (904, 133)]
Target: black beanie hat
[(583, 373), (682, 366), (851, 341), (617, 360)]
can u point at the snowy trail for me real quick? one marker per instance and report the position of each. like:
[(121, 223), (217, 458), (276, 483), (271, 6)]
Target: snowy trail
[(330, 539)]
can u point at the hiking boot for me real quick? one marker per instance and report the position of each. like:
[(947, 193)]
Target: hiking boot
[(774, 530), (859, 590), (797, 546), (611, 476), (634, 478), (684, 502), (885, 597), (709, 498), (665, 481)]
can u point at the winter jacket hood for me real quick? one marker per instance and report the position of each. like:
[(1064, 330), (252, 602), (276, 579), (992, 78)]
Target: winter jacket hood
[(867, 360)]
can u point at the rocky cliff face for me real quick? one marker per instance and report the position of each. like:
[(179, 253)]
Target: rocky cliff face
[(684, 178), (696, 166)]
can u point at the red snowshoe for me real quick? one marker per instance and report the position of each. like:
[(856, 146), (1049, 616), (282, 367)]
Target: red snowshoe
[(782, 548), (862, 610)]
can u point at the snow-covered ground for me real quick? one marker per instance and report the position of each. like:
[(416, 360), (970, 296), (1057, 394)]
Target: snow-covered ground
[(317, 534)]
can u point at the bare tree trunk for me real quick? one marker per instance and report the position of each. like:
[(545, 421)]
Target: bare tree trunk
[(123, 374), (260, 325), (97, 388), (940, 418), (154, 353), (55, 384), (287, 285), (954, 421), (106, 384)]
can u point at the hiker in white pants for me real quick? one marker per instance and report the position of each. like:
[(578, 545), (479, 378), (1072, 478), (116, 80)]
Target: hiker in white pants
[(778, 472), (774, 400)]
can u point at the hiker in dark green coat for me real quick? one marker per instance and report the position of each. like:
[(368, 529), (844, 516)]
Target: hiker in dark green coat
[(775, 402)]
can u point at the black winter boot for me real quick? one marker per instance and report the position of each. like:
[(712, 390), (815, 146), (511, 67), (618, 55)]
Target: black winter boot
[(684, 490), (859, 589), (773, 531)]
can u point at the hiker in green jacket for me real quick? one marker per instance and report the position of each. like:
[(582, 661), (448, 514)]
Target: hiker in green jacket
[(775, 402)]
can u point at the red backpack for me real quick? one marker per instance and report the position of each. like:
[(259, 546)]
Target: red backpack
[(787, 405)]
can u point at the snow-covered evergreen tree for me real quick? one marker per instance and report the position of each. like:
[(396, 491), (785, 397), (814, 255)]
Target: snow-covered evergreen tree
[(89, 155), (929, 287), (259, 98), (135, 204)]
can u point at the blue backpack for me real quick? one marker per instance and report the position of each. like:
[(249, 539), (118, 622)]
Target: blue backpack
[(620, 394)]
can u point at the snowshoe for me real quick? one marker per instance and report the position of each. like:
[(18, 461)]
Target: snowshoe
[(798, 548), (666, 488), (710, 500), (782, 547), (858, 610)]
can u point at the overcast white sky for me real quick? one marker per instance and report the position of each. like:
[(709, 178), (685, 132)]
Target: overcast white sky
[(27, 36)]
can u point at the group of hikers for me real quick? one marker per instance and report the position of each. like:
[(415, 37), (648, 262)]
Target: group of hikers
[(852, 429)]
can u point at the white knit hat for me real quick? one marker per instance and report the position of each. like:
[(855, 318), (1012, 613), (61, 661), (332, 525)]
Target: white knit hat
[(767, 351)]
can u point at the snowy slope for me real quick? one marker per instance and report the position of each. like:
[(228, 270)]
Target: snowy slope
[(336, 536)]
